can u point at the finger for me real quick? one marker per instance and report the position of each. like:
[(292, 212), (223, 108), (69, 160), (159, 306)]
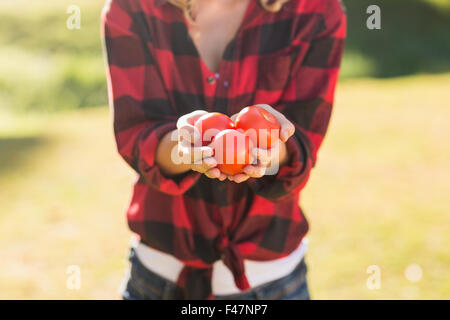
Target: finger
[(184, 121), (207, 152), (210, 162), (200, 154), (185, 126), (203, 156), (287, 128), (195, 155), (255, 171), (190, 118), (198, 168), (191, 134), (213, 173), (195, 115), (202, 168), (222, 177), (264, 156), (240, 177)]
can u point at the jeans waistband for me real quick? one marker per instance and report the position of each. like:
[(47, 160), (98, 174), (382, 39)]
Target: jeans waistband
[(165, 289)]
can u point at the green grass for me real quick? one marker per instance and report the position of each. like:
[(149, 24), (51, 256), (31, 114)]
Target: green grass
[(64, 192), (379, 196), (380, 193), (44, 66)]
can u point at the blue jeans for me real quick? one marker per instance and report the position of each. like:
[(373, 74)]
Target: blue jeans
[(143, 284)]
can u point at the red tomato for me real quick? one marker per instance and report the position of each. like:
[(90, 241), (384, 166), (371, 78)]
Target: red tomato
[(232, 151), (210, 124), (266, 129)]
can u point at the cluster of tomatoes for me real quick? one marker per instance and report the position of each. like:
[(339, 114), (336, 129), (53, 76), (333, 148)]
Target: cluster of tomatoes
[(232, 141)]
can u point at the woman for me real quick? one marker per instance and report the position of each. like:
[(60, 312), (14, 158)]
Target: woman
[(171, 61)]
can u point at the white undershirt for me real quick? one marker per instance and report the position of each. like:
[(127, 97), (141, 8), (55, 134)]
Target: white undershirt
[(258, 272)]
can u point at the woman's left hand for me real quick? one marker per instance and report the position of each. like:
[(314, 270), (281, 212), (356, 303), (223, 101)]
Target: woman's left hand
[(271, 158), (267, 161)]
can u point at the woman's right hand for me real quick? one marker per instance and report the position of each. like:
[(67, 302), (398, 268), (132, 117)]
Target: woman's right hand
[(190, 149)]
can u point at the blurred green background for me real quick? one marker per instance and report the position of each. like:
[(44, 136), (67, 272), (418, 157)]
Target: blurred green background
[(379, 195)]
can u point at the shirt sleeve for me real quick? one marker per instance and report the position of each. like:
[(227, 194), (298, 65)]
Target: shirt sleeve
[(142, 113), (307, 102)]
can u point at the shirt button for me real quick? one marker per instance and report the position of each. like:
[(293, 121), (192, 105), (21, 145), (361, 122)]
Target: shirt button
[(211, 80), (226, 84)]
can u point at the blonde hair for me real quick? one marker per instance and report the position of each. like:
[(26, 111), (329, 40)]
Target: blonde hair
[(187, 6)]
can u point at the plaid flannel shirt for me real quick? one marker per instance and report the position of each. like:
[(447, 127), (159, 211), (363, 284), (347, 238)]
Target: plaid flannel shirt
[(289, 59)]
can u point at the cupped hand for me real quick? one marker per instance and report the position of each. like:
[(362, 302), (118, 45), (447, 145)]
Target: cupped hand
[(190, 149), (269, 158), (267, 161)]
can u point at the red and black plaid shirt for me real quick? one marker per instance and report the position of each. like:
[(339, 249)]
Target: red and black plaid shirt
[(289, 59)]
